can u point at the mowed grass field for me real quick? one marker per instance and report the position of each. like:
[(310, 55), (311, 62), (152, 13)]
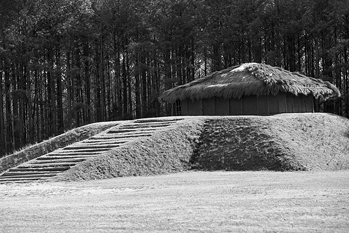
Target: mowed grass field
[(194, 201)]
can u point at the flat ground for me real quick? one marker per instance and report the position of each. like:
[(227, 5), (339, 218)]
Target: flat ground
[(182, 202)]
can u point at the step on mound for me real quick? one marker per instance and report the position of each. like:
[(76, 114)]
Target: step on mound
[(51, 164), (161, 147)]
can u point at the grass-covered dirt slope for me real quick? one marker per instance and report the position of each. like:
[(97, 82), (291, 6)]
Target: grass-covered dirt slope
[(315, 141), (309, 141), (165, 151), (65, 139)]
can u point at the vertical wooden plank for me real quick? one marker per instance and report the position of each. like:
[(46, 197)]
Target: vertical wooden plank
[(190, 107), (249, 105), (208, 107), (303, 103), (194, 107), (200, 108), (282, 102), (175, 110), (273, 101), (309, 103), (262, 105), (235, 106), (289, 100), (184, 106), (296, 104), (2, 121), (221, 106)]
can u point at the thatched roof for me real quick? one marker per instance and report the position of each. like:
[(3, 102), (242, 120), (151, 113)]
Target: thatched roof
[(251, 79)]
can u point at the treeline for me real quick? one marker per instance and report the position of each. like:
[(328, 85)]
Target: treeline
[(65, 63)]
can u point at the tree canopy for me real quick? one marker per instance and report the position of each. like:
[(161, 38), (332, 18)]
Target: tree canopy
[(66, 63)]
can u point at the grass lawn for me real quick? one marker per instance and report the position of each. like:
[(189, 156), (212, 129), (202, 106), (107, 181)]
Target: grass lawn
[(194, 201)]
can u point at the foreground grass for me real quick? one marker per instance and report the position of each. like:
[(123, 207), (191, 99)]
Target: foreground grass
[(182, 202)]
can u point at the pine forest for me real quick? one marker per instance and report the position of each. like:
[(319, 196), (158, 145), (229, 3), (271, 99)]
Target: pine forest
[(67, 63)]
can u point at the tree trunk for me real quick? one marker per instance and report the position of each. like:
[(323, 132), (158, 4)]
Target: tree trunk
[(2, 114), (59, 94), (8, 110), (118, 91), (97, 88), (15, 103), (138, 89), (129, 87), (124, 79), (51, 95), (69, 91), (144, 90)]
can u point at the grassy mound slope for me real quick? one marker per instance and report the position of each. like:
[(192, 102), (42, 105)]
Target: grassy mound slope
[(65, 139), (313, 141), (166, 151), (309, 141)]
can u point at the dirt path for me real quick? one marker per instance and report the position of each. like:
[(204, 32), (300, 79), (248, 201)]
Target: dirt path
[(182, 202)]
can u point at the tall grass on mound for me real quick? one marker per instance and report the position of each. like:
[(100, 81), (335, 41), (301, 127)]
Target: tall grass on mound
[(165, 151), (241, 143), (69, 137), (318, 141), (283, 142)]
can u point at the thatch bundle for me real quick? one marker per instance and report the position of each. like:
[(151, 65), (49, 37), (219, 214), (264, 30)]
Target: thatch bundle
[(251, 79)]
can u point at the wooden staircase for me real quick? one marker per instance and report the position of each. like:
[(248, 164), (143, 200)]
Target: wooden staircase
[(49, 165)]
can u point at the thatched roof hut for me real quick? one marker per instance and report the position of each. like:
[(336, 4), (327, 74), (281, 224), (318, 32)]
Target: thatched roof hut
[(259, 85)]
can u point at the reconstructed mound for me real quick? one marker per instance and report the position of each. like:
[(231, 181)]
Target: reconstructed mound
[(44, 147), (309, 141), (168, 150), (312, 141)]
